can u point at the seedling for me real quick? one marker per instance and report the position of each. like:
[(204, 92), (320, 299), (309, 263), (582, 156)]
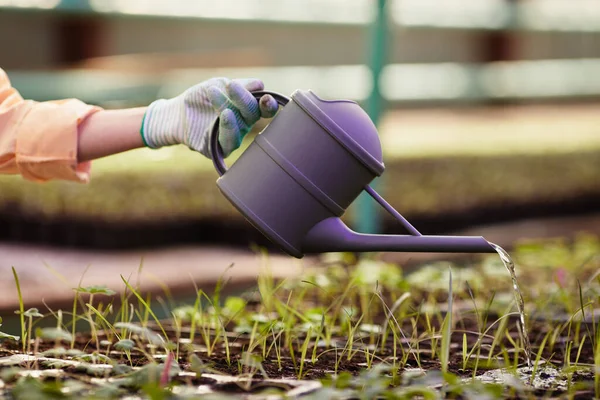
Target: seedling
[(447, 328), (30, 315), (326, 325), (92, 291), (21, 312)]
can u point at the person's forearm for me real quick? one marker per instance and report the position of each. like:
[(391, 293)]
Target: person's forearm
[(109, 132)]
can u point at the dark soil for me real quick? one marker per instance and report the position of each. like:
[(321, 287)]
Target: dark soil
[(251, 357), (328, 363)]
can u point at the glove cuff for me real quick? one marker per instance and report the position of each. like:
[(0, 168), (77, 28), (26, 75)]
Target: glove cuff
[(161, 124), (142, 130)]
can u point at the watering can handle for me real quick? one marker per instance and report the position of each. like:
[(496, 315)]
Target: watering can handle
[(215, 148)]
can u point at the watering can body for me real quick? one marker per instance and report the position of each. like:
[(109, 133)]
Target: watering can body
[(298, 177)]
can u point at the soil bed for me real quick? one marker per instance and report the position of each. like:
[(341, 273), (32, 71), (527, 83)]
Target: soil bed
[(351, 328)]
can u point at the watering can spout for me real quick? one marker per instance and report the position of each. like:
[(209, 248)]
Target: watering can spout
[(332, 235)]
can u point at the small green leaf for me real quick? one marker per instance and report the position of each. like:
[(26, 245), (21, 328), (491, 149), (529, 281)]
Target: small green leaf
[(371, 328), (343, 380), (10, 374), (243, 328), (28, 387), (121, 369), (196, 365), (53, 334), (94, 358), (56, 363), (96, 370), (56, 352), (260, 318), (144, 333), (74, 353), (62, 352), (7, 336), (148, 374), (235, 304), (33, 312), (96, 289), (187, 313), (315, 314), (125, 345)]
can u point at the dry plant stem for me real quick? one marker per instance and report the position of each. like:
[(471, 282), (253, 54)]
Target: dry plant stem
[(21, 310), (76, 299), (74, 323), (35, 351), (91, 320), (447, 329)]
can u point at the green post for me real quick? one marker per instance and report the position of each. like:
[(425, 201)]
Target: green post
[(368, 218), (74, 5)]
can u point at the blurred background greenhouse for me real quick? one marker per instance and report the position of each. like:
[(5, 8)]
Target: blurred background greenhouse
[(487, 110)]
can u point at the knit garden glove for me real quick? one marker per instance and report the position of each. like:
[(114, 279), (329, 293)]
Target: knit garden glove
[(188, 118)]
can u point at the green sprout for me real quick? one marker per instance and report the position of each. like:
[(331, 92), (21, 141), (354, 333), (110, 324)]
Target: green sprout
[(31, 314), (92, 291)]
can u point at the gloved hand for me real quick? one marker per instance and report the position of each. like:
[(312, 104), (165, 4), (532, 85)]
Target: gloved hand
[(188, 118)]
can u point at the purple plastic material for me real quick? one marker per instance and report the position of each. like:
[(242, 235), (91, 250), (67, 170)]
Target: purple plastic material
[(333, 235), (407, 225), (303, 171), (354, 130)]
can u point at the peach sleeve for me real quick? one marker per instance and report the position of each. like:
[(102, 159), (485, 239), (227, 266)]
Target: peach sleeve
[(38, 140)]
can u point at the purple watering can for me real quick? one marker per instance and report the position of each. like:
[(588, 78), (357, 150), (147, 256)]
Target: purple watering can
[(297, 178)]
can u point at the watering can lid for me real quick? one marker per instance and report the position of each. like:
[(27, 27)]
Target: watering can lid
[(348, 123)]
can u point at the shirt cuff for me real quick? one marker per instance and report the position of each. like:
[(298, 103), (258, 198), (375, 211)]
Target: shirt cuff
[(47, 138)]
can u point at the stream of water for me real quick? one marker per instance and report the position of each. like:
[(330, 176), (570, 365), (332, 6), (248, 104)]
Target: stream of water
[(510, 266)]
